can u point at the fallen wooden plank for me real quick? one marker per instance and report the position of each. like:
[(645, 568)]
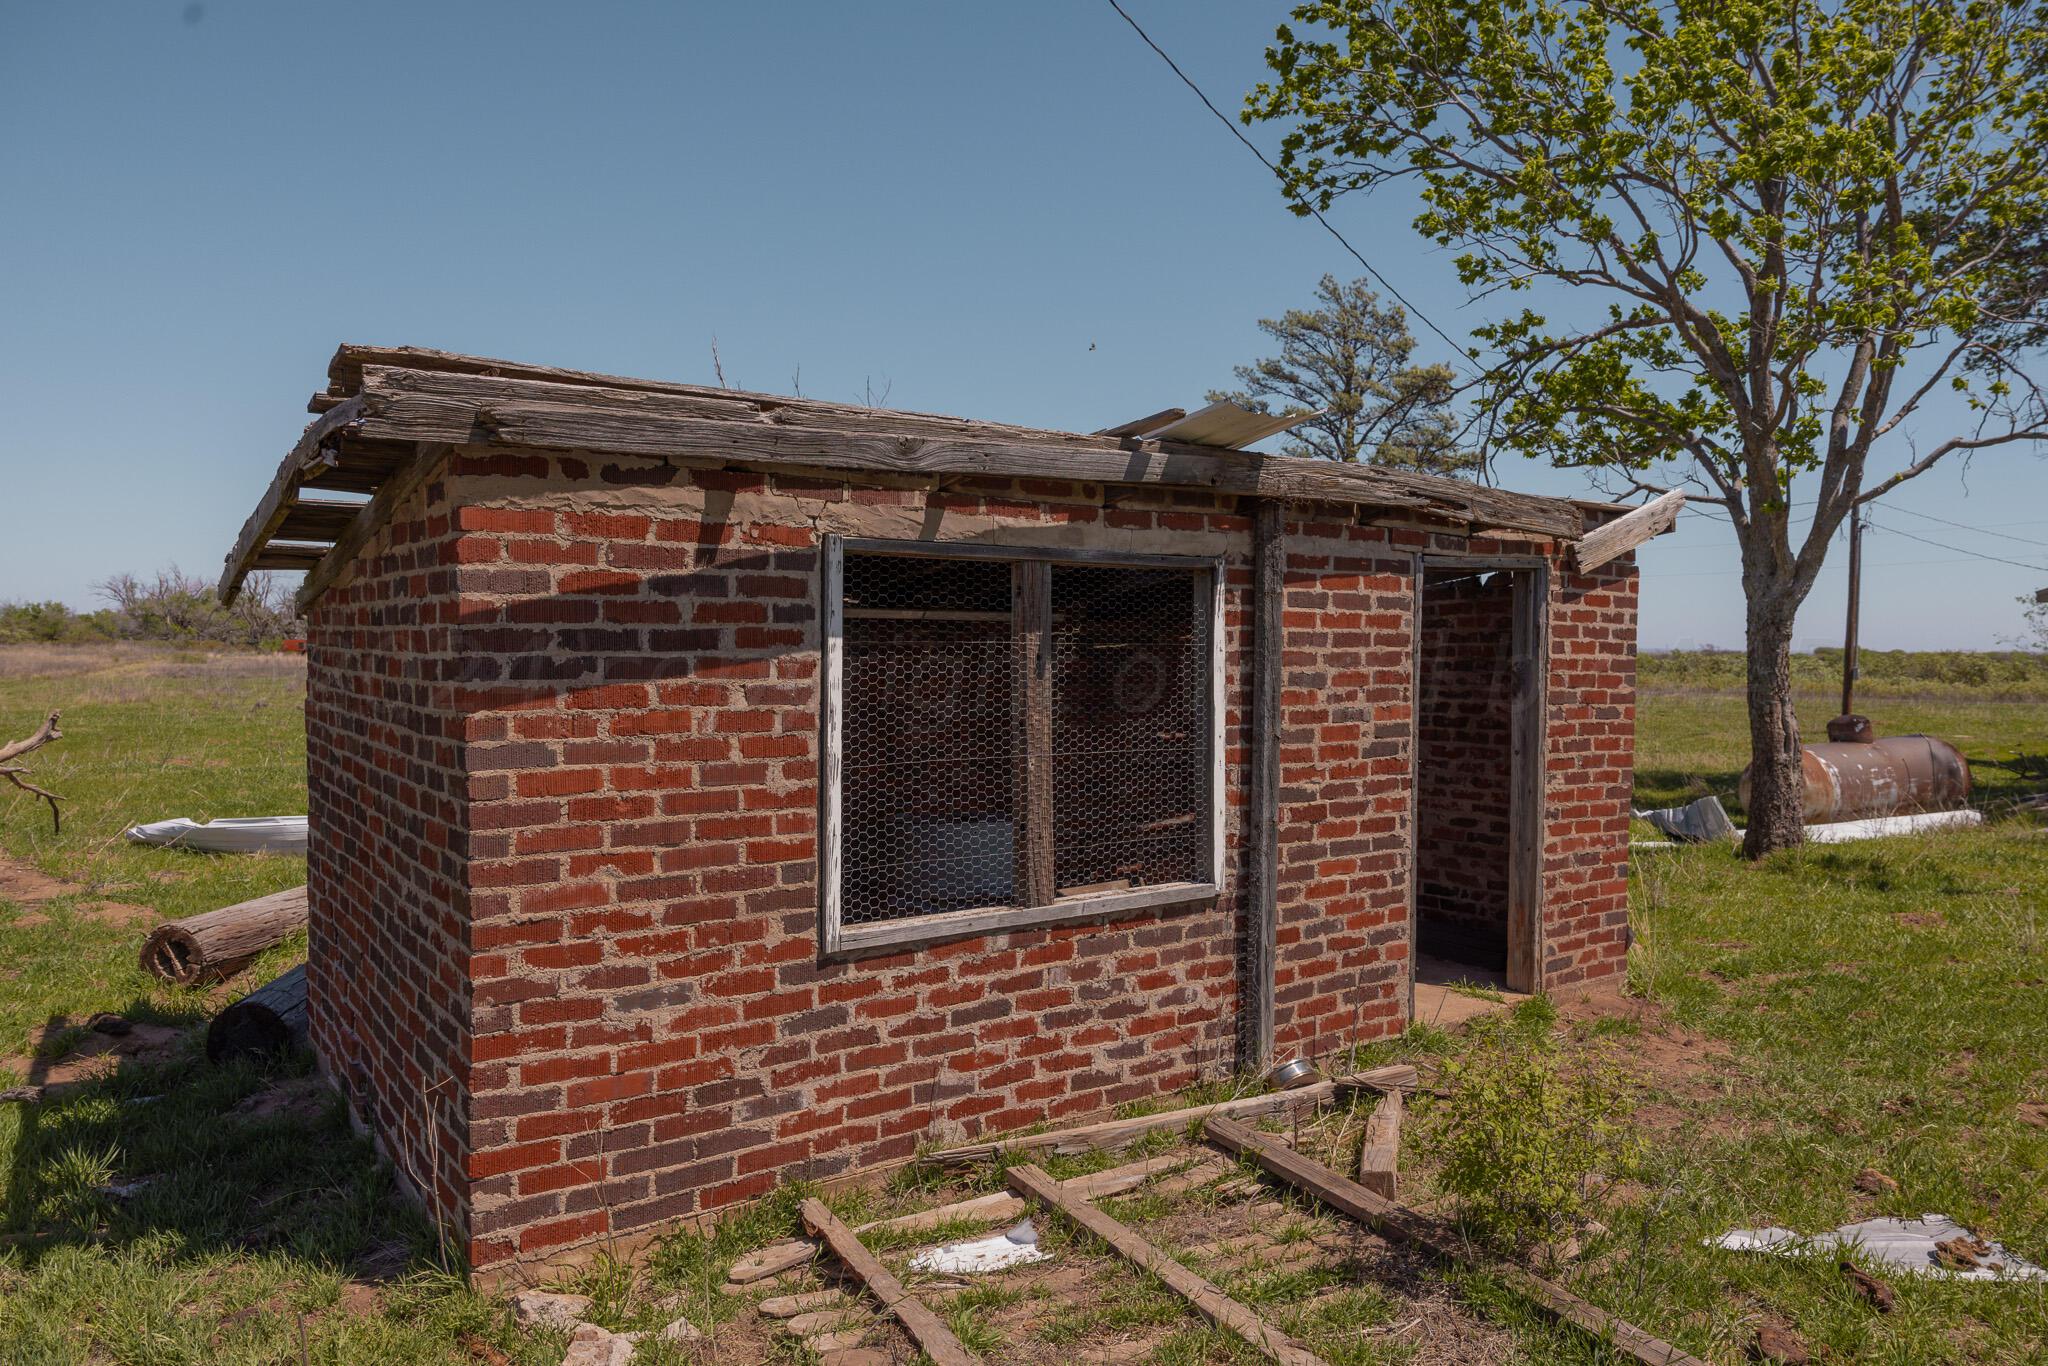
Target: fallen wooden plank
[(1397, 1221), (777, 1258), (984, 1208), (1378, 1082), (1207, 1299), (1117, 1180), (1379, 1156), (809, 1301), (772, 1260), (921, 1323), (1115, 1133), (1625, 533)]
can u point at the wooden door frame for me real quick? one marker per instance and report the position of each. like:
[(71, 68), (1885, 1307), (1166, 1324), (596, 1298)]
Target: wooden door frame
[(1529, 657)]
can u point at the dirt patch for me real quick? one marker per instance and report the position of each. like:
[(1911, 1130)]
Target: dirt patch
[(63, 1052), (302, 1099), (1921, 920), (30, 889), (359, 1300)]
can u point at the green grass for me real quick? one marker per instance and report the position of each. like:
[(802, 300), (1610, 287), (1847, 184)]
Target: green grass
[(242, 1247), (1855, 1037)]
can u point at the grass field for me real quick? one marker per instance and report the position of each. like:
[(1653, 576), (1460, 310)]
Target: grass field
[(1874, 1005)]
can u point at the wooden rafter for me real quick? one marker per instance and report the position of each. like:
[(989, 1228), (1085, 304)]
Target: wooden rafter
[(277, 499), (1625, 533)]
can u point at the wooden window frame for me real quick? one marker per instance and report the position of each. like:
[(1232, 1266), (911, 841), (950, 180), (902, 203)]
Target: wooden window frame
[(1031, 580)]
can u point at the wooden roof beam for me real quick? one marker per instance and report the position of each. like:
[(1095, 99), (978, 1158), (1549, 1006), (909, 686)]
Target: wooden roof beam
[(457, 408), (276, 502), (1623, 534)]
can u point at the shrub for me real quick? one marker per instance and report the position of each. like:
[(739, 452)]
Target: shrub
[(1519, 1133), (52, 623), (175, 606)]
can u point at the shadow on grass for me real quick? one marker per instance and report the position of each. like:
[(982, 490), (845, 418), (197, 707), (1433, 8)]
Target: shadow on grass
[(146, 1141)]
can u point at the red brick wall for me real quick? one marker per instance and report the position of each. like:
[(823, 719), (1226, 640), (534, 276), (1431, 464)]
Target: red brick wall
[(655, 1036), (1591, 761), (1341, 964), (388, 956), (565, 759), (1465, 728)]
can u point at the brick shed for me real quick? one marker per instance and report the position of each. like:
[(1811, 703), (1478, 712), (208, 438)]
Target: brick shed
[(709, 789)]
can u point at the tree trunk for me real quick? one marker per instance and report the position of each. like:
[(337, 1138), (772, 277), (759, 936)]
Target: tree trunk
[(1777, 792)]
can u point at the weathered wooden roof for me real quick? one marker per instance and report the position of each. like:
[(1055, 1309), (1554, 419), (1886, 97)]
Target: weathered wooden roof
[(388, 412)]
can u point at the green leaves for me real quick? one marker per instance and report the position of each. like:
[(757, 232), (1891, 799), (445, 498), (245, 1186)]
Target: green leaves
[(1769, 191)]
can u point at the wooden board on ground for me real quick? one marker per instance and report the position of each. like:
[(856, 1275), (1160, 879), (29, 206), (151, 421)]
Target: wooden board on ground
[(1207, 1298), (1379, 1156), (777, 1258), (1397, 1221), (921, 1323), (1115, 1133)]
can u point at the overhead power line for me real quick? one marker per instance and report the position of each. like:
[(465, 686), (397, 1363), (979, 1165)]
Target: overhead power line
[(1965, 526), (1308, 208), (1957, 549)]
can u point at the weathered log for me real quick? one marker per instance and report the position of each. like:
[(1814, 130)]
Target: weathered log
[(207, 947), (268, 1021)]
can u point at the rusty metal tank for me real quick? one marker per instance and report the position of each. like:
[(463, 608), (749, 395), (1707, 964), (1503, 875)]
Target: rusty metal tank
[(1888, 777)]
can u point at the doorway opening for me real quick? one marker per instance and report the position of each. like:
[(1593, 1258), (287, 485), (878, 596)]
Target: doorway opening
[(1478, 773)]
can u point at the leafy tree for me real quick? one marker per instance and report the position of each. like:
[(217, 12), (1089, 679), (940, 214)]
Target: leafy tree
[(1783, 224), (1347, 360)]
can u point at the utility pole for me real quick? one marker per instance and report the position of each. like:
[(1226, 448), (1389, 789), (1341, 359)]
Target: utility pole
[(1855, 597)]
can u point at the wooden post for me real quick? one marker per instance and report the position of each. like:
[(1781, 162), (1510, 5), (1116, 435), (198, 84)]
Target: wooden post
[(1031, 602), (1855, 598), (1207, 1299), (921, 1323), (1262, 818), (1399, 1222), (1528, 745)]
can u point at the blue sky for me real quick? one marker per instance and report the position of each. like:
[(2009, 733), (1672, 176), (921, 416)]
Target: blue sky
[(1010, 212)]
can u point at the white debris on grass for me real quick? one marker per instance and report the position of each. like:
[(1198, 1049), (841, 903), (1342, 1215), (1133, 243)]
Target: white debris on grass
[(1878, 827), (241, 835), (1909, 1245), (591, 1345), (682, 1330), (1017, 1247), (1697, 822), (548, 1309)]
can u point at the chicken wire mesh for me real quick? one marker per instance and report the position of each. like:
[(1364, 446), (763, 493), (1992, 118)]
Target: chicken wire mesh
[(933, 760)]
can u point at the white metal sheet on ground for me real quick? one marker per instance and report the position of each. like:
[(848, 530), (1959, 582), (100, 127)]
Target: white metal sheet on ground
[(1907, 1244), (244, 835), (1877, 827)]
